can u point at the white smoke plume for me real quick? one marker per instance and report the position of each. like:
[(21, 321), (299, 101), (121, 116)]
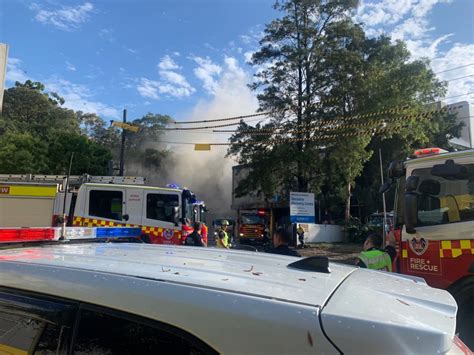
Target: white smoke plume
[(209, 173)]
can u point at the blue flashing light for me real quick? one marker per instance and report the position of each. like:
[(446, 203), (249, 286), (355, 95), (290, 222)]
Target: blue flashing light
[(173, 186), (118, 232)]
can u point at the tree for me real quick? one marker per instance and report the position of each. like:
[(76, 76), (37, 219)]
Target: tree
[(322, 71), (22, 153), (142, 152), (38, 135), (28, 108), (89, 157)]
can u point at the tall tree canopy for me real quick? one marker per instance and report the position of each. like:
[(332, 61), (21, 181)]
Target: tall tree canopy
[(317, 69), (38, 135)]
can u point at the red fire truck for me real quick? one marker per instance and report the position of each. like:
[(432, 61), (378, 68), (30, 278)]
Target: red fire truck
[(253, 227), (434, 224), (164, 214)]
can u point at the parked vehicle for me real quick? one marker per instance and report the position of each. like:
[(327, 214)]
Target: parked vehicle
[(103, 201), (434, 224), (253, 227), (62, 297)]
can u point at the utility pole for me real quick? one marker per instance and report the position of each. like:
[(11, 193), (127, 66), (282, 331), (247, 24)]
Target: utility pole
[(122, 147)]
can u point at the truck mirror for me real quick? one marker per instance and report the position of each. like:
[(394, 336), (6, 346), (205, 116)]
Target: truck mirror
[(411, 204), (412, 183), (450, 170), (176, 215), (386, 186), (411, 212), (395, 170), (125, 217)]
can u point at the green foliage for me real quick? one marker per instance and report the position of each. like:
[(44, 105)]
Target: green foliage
[(356, 231), (22, 153), (38, 135), (316, 52), (89, 157)]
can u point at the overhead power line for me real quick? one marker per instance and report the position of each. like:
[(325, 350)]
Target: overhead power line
[(251, 115), (452, 97), (226, 118), (461, 77), (393, 110), (333, 133), (455, 68)]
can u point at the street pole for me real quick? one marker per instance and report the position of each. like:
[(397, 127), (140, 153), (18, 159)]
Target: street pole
[(65, 190), (383, 198), (122, 147)]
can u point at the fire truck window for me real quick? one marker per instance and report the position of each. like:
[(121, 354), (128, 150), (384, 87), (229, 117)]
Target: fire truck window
[(27, 328), (252, 219), (442, 200), (161, 207), (106, 204), (103, 333)]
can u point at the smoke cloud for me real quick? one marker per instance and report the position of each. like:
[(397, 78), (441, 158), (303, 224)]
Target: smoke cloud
[(208, 173)]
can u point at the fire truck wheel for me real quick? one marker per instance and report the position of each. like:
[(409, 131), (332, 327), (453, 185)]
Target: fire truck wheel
[(463, 292)]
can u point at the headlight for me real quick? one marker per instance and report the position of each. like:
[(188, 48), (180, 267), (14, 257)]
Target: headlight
[(241, 234)]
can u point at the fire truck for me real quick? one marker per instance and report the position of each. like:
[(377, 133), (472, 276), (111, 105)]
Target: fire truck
[(253, 226), (164, 214), (434, 224)]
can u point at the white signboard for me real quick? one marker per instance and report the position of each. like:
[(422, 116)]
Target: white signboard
[(302, 207)]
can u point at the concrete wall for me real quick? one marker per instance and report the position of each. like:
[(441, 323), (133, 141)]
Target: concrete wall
[(322, 233)]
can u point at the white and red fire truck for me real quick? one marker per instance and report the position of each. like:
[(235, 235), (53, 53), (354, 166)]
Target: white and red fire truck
[(434, 225), (163, 213)]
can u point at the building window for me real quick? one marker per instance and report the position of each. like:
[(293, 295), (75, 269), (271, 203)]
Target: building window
[(161, 207), (106, 204)]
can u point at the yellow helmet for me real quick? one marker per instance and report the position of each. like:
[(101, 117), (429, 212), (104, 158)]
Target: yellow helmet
[(225, 222)]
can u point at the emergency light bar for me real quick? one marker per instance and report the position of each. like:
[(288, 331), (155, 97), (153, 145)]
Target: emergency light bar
[(22, 235), (429, 151)]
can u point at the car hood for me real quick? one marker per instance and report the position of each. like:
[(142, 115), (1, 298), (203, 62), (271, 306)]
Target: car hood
[(379, 312)]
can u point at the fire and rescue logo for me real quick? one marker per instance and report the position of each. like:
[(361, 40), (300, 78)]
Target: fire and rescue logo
[(418, 245), (168, 234)]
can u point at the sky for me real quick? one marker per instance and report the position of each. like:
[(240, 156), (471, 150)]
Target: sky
[(176, 56)]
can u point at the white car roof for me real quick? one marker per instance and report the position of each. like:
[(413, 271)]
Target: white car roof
[(257, 274)]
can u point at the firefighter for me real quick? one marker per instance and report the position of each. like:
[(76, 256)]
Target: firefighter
[(204, 232), (222, 236), (373, 257), (195, 239), (300, 234)]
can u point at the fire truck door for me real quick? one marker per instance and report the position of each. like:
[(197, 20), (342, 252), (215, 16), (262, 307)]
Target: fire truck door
[(134, 204), (159, 209)]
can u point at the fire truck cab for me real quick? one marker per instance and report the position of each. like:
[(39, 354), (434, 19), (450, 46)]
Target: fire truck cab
[(434, 225)]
